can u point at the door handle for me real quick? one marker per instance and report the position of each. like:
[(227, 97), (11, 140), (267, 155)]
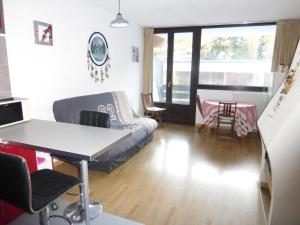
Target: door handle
[(169, 84)]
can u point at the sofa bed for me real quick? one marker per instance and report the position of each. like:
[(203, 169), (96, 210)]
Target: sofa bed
[(122, 116)]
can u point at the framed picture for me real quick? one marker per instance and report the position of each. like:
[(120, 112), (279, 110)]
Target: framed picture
[(98, 49), (42, 33), (135, 54), (2, 28)]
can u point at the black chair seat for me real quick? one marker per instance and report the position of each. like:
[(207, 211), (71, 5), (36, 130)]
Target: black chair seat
[(47, 185)]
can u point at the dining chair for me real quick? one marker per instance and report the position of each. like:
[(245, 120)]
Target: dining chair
[(150, 109), (198, 101), (226, 117), (34, 192)]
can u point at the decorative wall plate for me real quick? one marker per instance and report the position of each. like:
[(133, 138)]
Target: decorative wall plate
[(98, 57), (98, 49)]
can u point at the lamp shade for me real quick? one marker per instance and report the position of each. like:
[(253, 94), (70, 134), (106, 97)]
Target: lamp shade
[(119, 22)]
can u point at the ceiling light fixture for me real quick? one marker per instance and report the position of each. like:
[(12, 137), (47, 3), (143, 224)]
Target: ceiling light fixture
[(119, 22)]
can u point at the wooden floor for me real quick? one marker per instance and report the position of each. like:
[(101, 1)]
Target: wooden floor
[(184, 178)]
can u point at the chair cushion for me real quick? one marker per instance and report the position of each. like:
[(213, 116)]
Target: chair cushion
[(48, 185)]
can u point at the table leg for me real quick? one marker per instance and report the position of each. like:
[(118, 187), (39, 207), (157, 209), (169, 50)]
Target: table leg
[(210, 130), (243, 137), (85, 189)]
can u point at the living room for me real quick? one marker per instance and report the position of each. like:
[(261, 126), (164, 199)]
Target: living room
[(181, 170)]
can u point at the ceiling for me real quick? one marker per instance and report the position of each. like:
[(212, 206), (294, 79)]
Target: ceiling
[(166, 13)]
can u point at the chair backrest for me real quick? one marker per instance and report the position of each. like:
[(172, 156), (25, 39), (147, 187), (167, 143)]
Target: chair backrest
[(199, 105), (15, 187), (147, 99), (94, 118), (227, 109)]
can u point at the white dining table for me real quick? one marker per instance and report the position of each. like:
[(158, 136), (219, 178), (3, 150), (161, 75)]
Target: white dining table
[(83, 143)]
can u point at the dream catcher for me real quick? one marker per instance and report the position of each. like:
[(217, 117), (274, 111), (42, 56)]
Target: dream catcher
[(98, 57)]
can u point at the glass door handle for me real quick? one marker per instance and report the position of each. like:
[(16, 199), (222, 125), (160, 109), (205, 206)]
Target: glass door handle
[(169, 84)]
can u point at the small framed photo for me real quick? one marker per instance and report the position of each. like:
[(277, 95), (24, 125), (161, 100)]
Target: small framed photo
[(2, 28), (135, 54), (42, 33)]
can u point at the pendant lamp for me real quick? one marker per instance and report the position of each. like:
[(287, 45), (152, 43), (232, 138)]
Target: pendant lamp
[(119, 22)]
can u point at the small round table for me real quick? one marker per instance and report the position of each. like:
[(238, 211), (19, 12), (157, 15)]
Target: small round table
[(245, 118)]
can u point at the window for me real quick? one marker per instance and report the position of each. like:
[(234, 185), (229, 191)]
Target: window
[(237, 57)]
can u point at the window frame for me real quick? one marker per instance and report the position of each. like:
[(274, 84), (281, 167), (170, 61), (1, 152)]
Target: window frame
[(233, 88), (196, 78)]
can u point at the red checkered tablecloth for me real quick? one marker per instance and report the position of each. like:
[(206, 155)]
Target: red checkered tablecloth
[(245, 118)]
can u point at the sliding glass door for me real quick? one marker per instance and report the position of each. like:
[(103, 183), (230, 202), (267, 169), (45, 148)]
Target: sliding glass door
[(173, 73)]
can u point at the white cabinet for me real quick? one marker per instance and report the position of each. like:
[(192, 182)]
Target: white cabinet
[(279, 126)]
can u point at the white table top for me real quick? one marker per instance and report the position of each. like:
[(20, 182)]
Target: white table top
[(65, 139)]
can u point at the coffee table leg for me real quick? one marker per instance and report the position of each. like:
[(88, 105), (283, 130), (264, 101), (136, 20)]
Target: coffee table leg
[(85, 189)]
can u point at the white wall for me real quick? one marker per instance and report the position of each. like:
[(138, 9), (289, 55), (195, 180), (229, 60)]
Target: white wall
[(5, 89), (260, 99), (45, 74)]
